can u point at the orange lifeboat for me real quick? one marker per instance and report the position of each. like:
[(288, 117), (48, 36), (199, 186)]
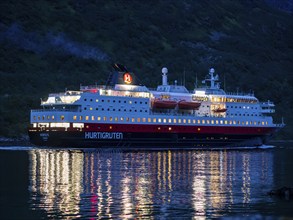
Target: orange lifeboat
[(167, 104), (220, 110), (188, 105)]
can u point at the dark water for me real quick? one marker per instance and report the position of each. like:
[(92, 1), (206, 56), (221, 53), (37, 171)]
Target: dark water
[(41, 183)]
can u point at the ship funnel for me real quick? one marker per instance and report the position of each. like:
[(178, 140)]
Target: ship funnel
[(164, 76)]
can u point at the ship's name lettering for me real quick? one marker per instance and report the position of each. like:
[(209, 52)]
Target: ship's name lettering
[(103, 135)]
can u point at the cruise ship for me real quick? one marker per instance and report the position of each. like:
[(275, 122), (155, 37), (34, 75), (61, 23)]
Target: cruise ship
[(124, 113)]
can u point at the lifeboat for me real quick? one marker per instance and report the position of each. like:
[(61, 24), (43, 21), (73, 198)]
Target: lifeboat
[(220, 110), (188, 105), (160, 103)]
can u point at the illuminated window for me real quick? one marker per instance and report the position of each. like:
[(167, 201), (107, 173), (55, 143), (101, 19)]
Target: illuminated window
[(93, 118), (130, 102), (110, 127), (262, 123), (179, 120), (247, 123), (121, 119), (48, 117), (203, 121), (132, 119), (154, 119), (62, 117), (159, 128), (189, 121), (226, 122), (174, 120), (86, 118), (159, 120), (170, 128), (143, 119), (80, 117), (105, 118), (198, 129), (170, 120), (138, 119), (91, 108), (198, 121), (212, 121), (193, 121), (127, 119), (149, 120), (97, 100), (74, 117), (217, 122), (221, 122), (164, 120), (110, 119), (99, 118), (116, 118), (184, 121)]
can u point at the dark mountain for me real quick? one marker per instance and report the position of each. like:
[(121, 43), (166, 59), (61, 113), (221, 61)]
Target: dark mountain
[(47, 46)]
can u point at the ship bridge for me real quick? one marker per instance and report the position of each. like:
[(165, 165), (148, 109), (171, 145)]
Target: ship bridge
[(68, 97)]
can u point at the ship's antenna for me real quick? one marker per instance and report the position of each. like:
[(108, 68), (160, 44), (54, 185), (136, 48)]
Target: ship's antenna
[(184, 77), (195, 80), (224, 81)]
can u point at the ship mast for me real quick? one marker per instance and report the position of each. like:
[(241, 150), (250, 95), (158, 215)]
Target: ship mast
[(214, 80), (164, 76)]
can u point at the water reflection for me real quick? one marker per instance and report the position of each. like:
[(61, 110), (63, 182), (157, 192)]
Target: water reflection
[(87, 183)]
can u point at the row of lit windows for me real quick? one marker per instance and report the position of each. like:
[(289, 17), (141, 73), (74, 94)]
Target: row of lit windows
[(155, 120), (244, 107), (119, 110), (165, 120), (119, 101)]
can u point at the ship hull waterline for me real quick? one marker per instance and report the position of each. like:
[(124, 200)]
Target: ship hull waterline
[(99, 139)]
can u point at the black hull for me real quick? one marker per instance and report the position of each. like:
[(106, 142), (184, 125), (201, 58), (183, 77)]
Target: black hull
[(144, 140)]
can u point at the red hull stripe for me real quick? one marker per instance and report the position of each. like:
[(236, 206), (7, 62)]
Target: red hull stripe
[(133, 128)]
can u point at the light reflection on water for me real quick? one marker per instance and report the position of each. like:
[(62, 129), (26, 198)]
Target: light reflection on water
[(128, 185)]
